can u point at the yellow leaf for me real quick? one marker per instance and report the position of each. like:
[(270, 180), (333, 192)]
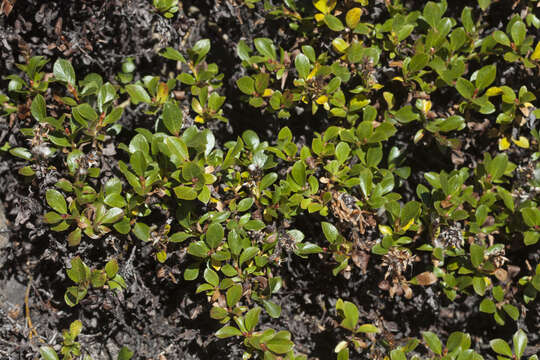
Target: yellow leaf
[(199, 119), (494, 90), (377, 86), (503, 144), (353, 17), (340, 45), (267, 92), (319, 17), (398, 78), (426, 106), (523, 142), (322, 100), (385, 230), (325, 6), (314, 71), (536, 53), (406, 227)]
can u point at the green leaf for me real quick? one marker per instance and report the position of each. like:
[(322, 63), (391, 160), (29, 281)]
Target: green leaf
[(201, 48), (112, 215), (273, 309), (486, 76), (198, 249), (367, 328), (185, 192), (406, 115), (56, 201), (298, 172), (279, 345), (518, 32), (477, 255), (268, 180), (141, 231), (138, 94), (233, 295), (78, 272), (501, 37), (350, 311), (432, 14), (303, 66), (48, 353), (21, 152), (488, 306), (244, 204), (501, 347), (432, 342), (214, 235), (227, 331), (465, 88), (333, 23), (211, 277), (520, 343), (246, 85), (409, 212), (252, 318), (397, 354), (531, 216), (497, 167), (512, 311), (38, 108), (125, 353), (173, 54), (343, 151), (484, 4), (248, 254), (111, 268), (418, 62), (266, 47), (172, 118), (138, 163), (330, 232), (63, 71)]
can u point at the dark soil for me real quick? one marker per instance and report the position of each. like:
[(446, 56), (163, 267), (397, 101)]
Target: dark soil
[(159, 316)]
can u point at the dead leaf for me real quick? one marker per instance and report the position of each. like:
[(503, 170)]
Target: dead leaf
[(426, 278)]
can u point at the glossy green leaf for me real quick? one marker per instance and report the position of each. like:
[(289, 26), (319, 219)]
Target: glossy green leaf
[(501, 347), (302, 65), (432, 342), (172, 118), (48, 353), (141, 231), (266, 47), (227, 331), (520, 343), (56, 201), (63, 71), (138, 94), (214, 235), (38, 108)]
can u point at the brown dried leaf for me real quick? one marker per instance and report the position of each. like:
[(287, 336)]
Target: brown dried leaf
[(426, 278)]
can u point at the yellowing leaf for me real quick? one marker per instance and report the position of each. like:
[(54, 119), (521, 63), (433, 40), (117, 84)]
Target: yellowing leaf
[(325, 6), (322, 100), (398, 78), (503, 144), (199, 119), (406, 227), (385, 230), (267, 92), (340, 45), (319, 17), (536, 53), (494, 90), (377, 86), (314, 71), (522, 142), (426, 106), (353, 17)]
